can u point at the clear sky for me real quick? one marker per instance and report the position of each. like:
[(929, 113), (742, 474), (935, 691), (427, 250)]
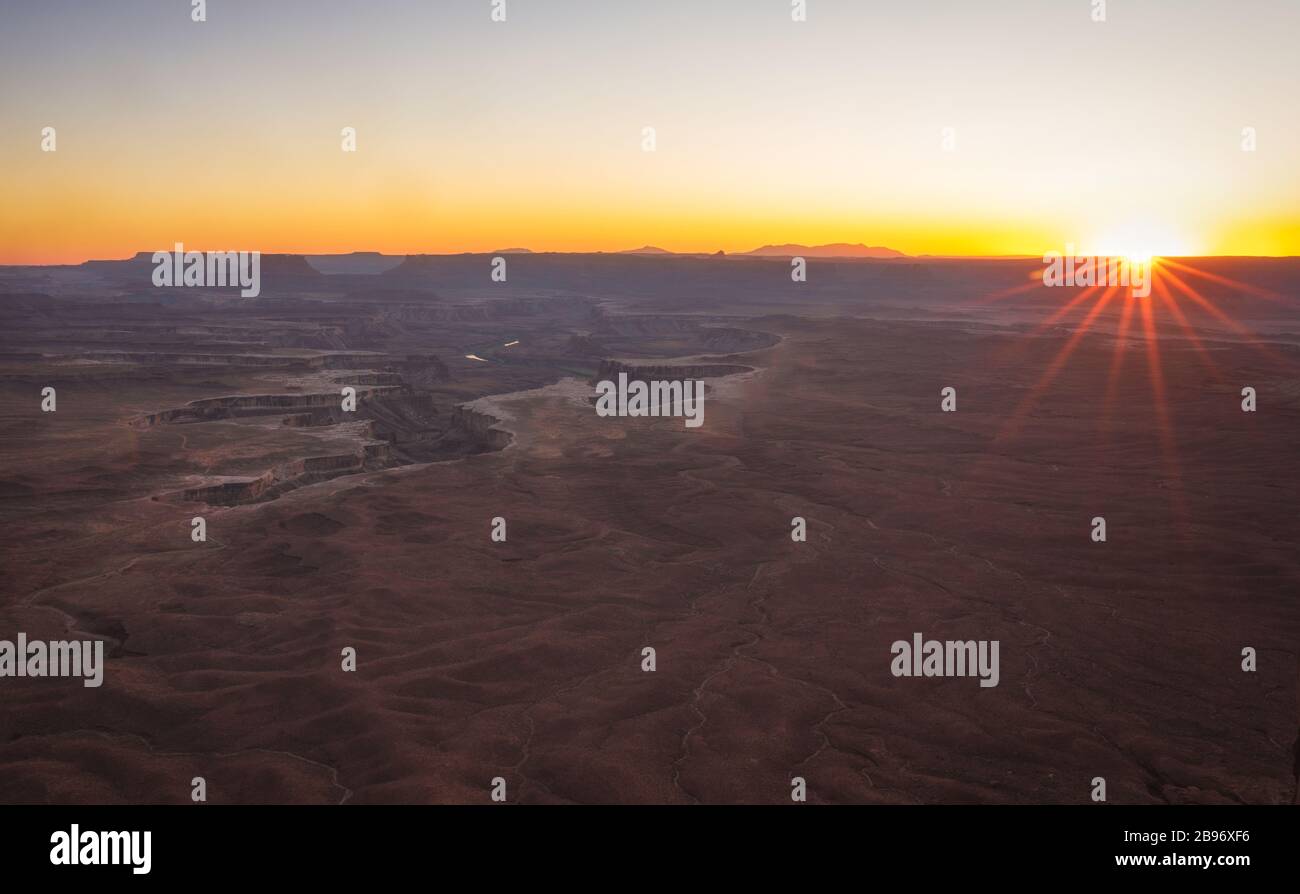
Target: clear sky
[(474, 135)]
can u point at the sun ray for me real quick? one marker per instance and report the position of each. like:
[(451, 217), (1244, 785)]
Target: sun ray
[(1018, 347), (1065, 309), (1206, 304), (1117, 361), (1167, 300), (1164, 422), (1225, 281), (1012, 426), (1035, 282)]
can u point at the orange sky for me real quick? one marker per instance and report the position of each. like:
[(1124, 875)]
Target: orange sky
[(474, 136)]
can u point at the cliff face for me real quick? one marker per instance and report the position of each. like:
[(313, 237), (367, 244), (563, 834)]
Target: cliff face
[(248, 405), (277, 481), (402, 427), (189, 358), (291, 475), (725, 339), (644, 325), (242, 360), (609, 370), (371, 378), (585, 346), (421, 371), (384, 402), (479, 429), (721, 339)]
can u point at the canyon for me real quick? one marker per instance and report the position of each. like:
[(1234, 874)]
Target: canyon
[(522, 659)]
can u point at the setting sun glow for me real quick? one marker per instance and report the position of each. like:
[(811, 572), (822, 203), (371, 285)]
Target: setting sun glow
[(466, 141)]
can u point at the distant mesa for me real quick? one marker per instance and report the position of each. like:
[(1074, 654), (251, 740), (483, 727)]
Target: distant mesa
[(833, 250), (142, 265), (357, 263), (141, 262), (647, 250), (513, 251), (287, 265)]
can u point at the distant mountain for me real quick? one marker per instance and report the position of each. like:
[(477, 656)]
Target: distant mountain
[(833, 250), (513, 251), (647, 250)]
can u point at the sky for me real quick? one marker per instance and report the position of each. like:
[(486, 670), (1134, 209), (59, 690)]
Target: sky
[(1122, 136)]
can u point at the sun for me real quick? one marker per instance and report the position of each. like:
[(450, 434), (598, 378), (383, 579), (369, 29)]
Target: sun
[(1140, 244)]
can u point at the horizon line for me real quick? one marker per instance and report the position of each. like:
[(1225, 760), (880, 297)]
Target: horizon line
[(643, 252)]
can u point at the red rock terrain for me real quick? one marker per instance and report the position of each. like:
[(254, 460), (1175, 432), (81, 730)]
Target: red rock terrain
[(478, 659)]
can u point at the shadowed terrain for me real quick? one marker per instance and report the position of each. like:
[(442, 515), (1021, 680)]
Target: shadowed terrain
[(476, 659)]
